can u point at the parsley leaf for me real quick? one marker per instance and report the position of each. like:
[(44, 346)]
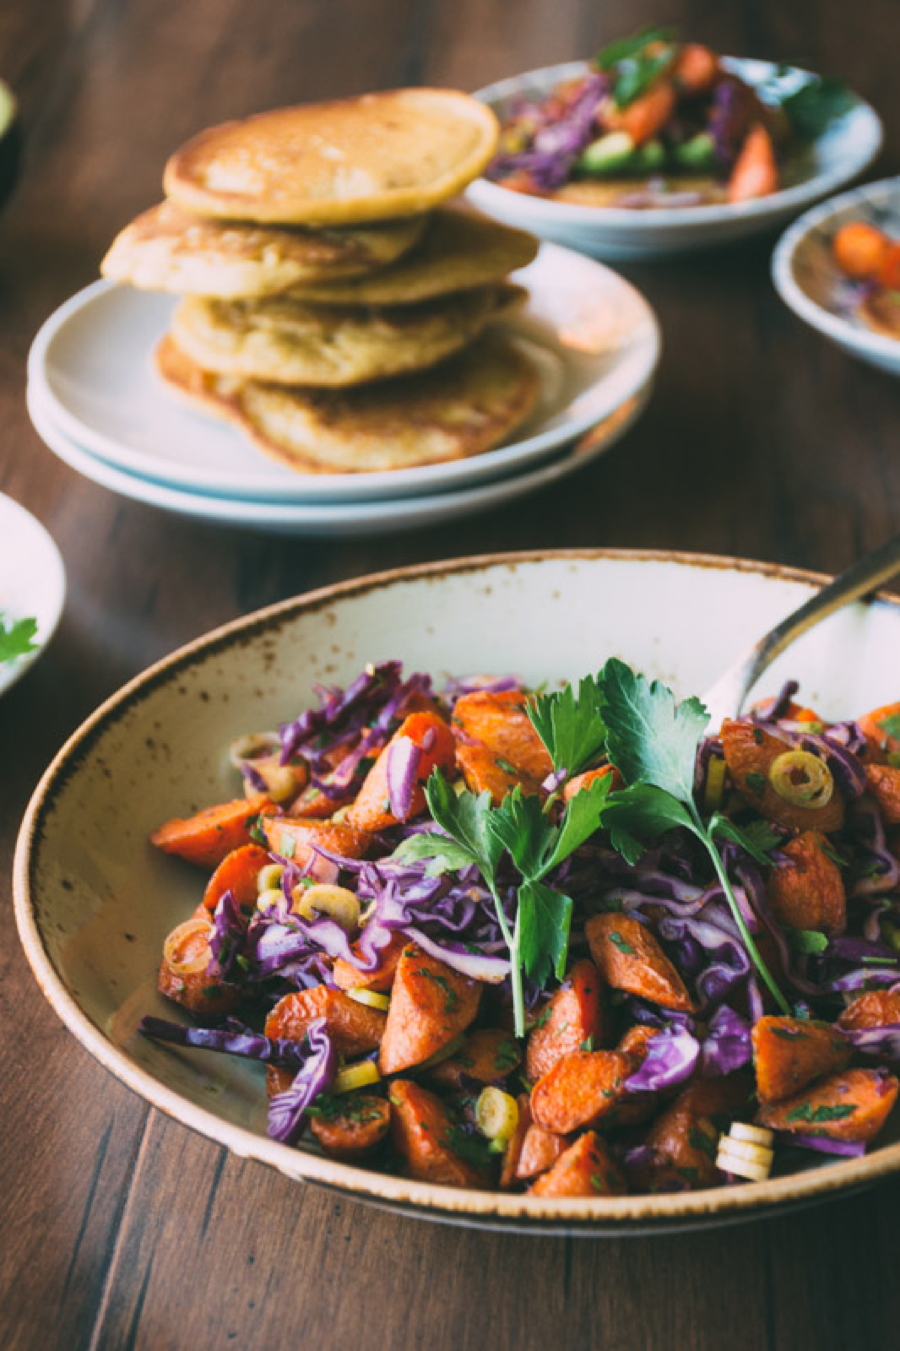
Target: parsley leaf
[(16, 639), (753, 841), (446, 855), (651, 739), (583, 815), (520, 826), (465, 818), (891, 725), (570, 726), (815, 105), (621, 50), (542, 930)]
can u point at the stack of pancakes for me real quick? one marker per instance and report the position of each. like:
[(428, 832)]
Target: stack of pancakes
[(332, 306)]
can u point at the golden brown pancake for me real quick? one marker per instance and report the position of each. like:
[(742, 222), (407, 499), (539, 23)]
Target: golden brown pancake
[(881, 313), (460, 408), (169, 249), (377, 156), (293, 342), (458, 250)]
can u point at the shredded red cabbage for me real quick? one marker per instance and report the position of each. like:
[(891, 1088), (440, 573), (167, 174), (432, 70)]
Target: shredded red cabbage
[(287, 1110)]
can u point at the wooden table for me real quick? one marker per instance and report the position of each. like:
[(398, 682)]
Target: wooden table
[(121, 1229)]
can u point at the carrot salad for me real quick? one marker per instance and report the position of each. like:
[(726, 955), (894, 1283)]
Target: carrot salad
[(655, 121), (573, 943)]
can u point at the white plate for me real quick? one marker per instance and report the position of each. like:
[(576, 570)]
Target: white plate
[(808, 280), (593, 336), (333, 518), (842, 152), (32, 582)]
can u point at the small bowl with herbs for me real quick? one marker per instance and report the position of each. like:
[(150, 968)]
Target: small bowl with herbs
[(659, 146)]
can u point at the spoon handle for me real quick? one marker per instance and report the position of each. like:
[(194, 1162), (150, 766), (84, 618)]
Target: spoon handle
[(867, 574)]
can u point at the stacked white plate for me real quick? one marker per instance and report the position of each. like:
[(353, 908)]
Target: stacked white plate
[(96, 401)]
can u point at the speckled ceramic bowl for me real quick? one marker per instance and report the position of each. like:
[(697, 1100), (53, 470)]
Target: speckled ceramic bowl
[(808, 280), (94, 900)]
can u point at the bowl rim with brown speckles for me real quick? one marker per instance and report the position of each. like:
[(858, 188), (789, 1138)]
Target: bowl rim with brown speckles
[(513, 1212)]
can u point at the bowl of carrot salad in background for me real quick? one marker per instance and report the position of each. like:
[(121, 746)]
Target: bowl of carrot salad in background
[(534, 949), (838, 268), (659, 145)]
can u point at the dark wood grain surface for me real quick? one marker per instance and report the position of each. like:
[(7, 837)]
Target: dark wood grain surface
[(121, 1229)]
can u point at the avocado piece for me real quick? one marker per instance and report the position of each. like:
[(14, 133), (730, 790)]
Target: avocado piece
[(697, 153), (607, 155)]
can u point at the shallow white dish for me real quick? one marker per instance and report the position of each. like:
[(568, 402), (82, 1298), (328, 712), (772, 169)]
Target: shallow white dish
[(381, 516), (82, 857), (593, 337), (32, 582), (842, 152), (808, 280)]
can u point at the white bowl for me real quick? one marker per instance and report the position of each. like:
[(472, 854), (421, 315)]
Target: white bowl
[(32, 582), (843, 151), (94, 900), (808, 280)]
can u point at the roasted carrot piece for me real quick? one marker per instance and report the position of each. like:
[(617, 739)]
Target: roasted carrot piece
[(355, 1028), (237, 873), (790, 1053), (508, 1176), (630, 958), (636, 1042), (750, 751), (584, 1169), (888, 274), (876, 1008), (349, 977), (683, 1142), (755, 172), (372, 808), (852, 1105), (645, 115), (425, 1134), (540, 1150), (582, 781), (696, 68), (296, 837), (351, 1125), (729, 1095), (859, 249), (884, 785), (572, 1020), (206, 838), (807, 892), (431, 1004), (499, 721), (486, 1055), (580, 1089), (872, 726), (183, 974), (484, 773)]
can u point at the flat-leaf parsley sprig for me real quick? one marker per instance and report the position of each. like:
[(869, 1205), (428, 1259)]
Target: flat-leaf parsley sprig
[(653, 741), (481, 834)]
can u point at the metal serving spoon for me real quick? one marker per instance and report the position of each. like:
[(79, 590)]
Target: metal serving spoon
[(726, 697)]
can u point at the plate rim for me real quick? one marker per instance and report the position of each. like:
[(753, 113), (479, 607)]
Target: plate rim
[(834, 326), (420, 480), (415, 511), (52, 559), (568, 1215), (659, 220)]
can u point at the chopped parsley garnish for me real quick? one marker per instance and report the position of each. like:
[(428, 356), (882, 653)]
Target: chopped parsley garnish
[(756, 782), (451, 998), (619, 942), (815, 1115)]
